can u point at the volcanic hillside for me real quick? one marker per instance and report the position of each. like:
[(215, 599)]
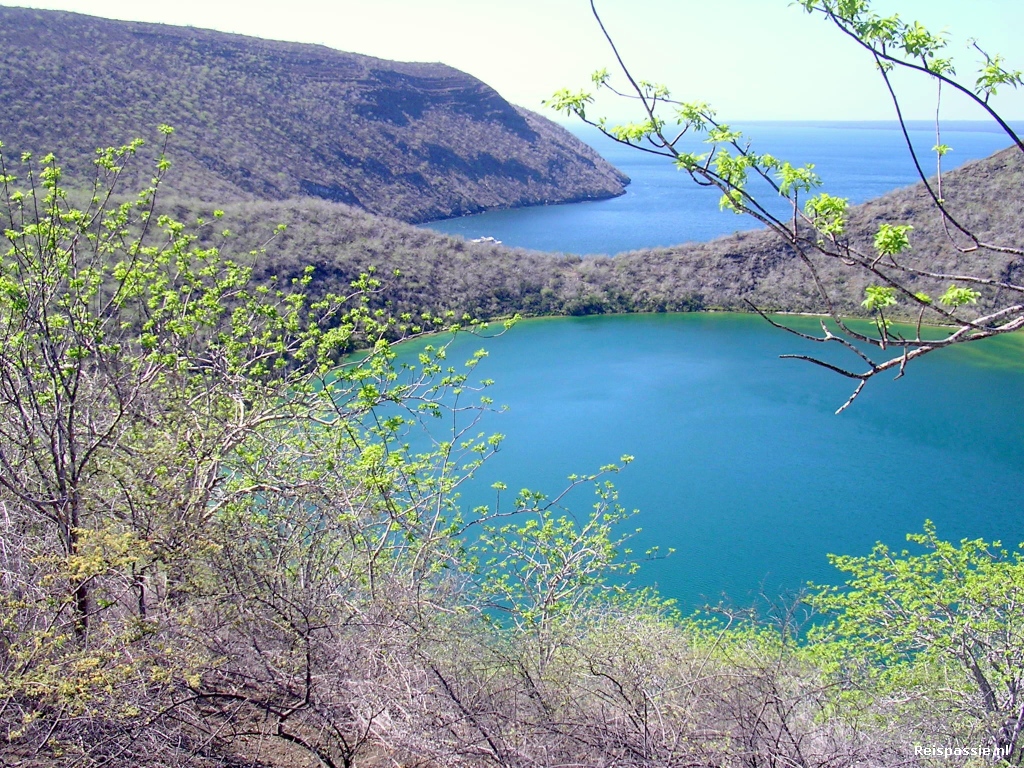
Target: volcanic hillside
[(263, 120)]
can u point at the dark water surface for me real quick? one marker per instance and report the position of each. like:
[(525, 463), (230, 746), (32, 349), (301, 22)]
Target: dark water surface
[(741, 464)]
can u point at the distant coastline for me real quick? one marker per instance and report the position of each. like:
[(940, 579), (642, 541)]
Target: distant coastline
[(663, 208)]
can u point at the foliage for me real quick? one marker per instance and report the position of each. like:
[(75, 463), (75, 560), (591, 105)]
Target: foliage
[(943, 627), (143, 382), (222, 546), (544, 569), (217, 534), (817, 230), (230, 530)]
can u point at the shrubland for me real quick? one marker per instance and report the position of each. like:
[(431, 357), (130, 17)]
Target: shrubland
[(232, 532), (221, 547), (291, 133), (437, 272), (271, 120)]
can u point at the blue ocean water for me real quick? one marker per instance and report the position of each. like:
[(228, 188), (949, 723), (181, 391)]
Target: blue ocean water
[(662, 206)]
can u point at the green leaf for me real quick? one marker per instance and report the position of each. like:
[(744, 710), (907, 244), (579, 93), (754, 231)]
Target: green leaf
[(828, 213), (892, 239), (957, 296), (879, 297), (795, 178), (570, 102)]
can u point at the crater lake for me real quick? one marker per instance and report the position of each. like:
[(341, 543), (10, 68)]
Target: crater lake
[(741, 465)]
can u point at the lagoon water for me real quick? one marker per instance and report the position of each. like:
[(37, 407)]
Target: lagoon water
[(741, 464)]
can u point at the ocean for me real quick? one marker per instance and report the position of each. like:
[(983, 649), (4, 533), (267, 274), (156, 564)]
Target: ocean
[(662, 206)]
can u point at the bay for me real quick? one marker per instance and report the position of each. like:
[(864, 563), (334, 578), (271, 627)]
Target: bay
[(662, 206), (741, 464)]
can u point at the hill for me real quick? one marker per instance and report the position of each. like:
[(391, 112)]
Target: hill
[(439, 272), (265, 120), (221, 548), (317, 139), (757, 267)]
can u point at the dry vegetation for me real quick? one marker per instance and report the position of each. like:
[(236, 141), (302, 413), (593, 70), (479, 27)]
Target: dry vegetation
[(218, 549), (265, 120), (438, 273)]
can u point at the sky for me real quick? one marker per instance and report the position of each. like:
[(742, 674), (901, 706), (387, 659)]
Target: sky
[(750, 59)]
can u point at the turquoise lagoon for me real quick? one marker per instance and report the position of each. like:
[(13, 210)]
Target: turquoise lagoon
[(741, 465)]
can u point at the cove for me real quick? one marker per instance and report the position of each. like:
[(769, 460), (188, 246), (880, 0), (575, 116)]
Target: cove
[(741, 464), (663, 207)]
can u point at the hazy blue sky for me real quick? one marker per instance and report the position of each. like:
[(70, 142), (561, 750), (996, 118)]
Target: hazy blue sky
[(760, 59)]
